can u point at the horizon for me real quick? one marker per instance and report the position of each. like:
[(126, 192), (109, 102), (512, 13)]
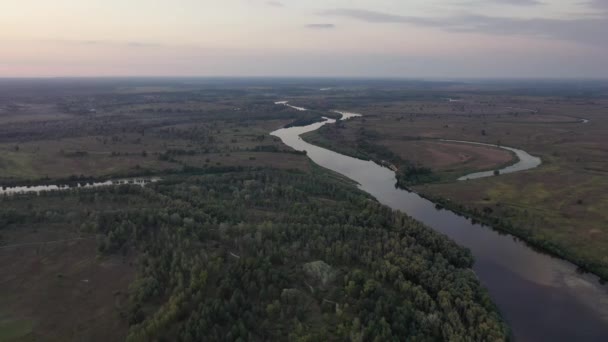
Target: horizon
[(305, 77), (477, 39)]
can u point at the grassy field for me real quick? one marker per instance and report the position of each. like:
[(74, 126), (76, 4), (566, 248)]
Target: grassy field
[(54, 285), (63, 291), (120, 134)]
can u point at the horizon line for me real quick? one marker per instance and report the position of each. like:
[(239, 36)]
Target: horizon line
[(396, 78)]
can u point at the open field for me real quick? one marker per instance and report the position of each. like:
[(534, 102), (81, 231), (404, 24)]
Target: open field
[(443, 155), (54, 283), (62, 291), (564, 211), (130, 133)]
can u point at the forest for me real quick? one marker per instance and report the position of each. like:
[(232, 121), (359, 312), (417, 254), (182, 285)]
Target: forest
[(261, 254)]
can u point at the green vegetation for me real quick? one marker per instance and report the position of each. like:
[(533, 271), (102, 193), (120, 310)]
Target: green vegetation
[(267, 254), (556, 220), (14, 330), (131, 134), (412, 174)]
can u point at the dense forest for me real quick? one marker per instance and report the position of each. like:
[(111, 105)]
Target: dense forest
[(263, 254)]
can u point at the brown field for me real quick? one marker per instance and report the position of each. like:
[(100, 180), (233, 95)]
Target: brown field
[(251, 159), (28, 112), (54, 283), (449, 156), (38, 141), (61, 291)]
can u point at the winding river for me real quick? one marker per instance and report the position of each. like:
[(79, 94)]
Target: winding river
[(541, 297), (525, 161)]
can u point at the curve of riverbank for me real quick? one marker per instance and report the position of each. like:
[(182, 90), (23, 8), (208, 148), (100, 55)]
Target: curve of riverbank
[(525, 161)]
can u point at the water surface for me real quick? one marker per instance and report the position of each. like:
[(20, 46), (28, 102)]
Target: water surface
[(62, 187), (286, 104)]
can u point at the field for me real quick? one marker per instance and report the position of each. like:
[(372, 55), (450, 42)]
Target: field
[(54, 283), (124, 134)]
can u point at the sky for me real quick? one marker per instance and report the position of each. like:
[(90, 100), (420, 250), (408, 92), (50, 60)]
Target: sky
[(313, 38)]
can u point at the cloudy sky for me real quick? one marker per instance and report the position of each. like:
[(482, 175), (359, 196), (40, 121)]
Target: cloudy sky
[(369, 38)]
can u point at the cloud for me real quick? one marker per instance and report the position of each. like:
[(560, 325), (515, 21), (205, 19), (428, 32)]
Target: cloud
[(376, 17), (598, 4), (519, 2), (274, 4), (321, 26), (582, 30), (83, 42), (132, 44), (142, 44)]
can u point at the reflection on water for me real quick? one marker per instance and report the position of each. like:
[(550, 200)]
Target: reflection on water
[(541, 297), (53, 187), (286, 103)]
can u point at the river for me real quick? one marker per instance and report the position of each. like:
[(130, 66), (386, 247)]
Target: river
[(542, 298), (54, 187), (525, 161)]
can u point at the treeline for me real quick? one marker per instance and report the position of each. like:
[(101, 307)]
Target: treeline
[(277, 255)]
